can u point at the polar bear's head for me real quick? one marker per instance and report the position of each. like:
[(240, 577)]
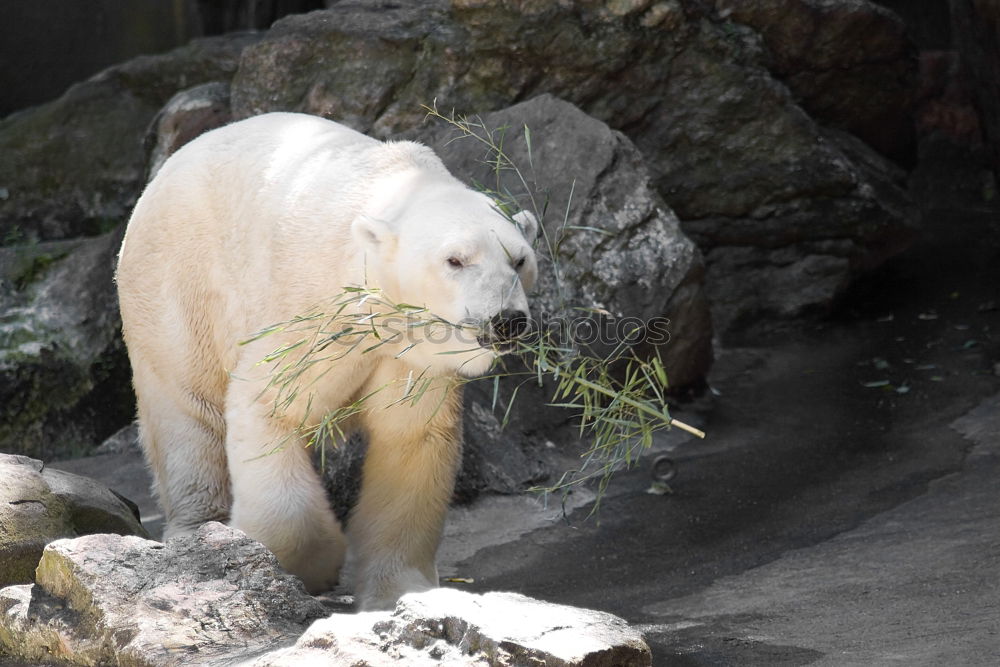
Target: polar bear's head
[(443, 246)]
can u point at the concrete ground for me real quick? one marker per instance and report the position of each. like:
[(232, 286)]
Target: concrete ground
[(844, 509)]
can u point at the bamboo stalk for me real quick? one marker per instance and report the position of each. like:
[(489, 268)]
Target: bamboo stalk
[(686, 427)]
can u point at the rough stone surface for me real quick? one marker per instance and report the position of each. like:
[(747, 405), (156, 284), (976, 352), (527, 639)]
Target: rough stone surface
[(796, 257), (124, 600), (40, 504), (64, 376), (124, 440), (41, 630), (976, 33), (609, 240), (449, 627), (849, 63), (945, 103), (729, 147), (217, 597), (75, 166), (188, 114)]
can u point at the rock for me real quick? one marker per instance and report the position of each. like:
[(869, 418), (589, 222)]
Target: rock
[(618, 247), (945, 103), (65, 382), (927, 21), (849, 63), (778, 188), (188, 114), (217, 597), (39, 505), (976, 34), (499, 459), (777, 262), (125, 439), (40, 630), (730, 150), (450, 627), (76, 165), (200, 599)]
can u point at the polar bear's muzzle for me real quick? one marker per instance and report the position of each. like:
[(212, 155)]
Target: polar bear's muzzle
[(504, 329)]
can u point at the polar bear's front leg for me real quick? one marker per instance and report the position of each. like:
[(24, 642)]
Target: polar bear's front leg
[(407, 483), (278, 498)]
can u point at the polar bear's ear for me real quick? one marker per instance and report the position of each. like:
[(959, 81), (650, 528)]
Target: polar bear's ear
[(527, 223), (370, 233)]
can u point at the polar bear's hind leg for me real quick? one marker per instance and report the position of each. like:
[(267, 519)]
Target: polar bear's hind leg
[(183, 438)]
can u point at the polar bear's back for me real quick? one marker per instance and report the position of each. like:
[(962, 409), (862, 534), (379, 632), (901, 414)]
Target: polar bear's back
[(269, 196), (261, 168)]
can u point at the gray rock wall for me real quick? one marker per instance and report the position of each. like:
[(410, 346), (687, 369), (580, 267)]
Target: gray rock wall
[(976, 33), (75, 166), (849, 63), (743, 165), (65, 382)]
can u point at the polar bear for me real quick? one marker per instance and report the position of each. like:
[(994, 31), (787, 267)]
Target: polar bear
[(262, 221)]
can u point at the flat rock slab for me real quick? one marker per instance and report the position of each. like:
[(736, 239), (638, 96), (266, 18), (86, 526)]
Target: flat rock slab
[(449, 627)]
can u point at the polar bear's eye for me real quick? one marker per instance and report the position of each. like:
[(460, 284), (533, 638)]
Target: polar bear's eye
[(519, 265), (455, 262)]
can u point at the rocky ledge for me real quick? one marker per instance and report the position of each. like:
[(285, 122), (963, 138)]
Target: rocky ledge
[(218, 597)]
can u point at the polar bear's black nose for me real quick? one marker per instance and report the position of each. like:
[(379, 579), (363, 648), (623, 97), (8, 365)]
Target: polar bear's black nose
[(509, 324)]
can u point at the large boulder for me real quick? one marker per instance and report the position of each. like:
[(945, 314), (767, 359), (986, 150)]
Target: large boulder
[(849, 63), (104, 599), (65, 383), (76, 165), (186, 115), (609, 242), (976, 33), (40, 504), (752, 176)]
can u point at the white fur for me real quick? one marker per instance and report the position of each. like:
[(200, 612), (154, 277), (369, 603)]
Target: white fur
[(260, 221)]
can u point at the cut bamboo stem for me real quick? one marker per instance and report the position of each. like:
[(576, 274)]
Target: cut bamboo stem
[(687, 427)]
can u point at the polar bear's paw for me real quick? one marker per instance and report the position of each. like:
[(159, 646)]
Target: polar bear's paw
[(382, 590)]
